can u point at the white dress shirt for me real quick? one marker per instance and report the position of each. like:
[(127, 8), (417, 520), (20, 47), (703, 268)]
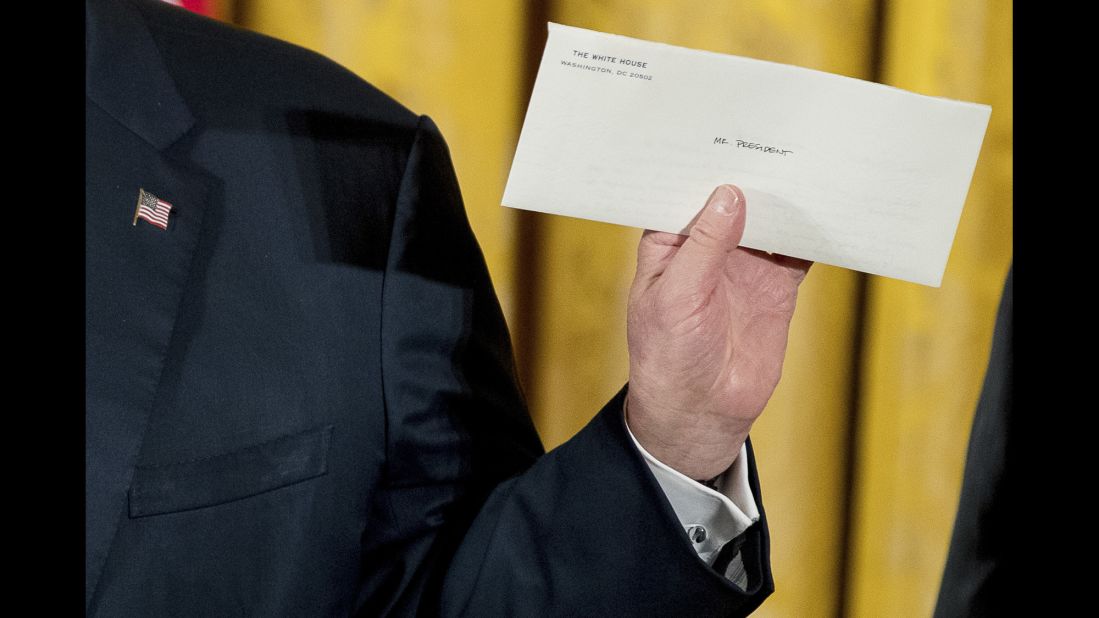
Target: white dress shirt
[(710, 517)]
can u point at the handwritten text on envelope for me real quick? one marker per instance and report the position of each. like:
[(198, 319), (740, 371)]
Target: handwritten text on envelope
[(835, 169)]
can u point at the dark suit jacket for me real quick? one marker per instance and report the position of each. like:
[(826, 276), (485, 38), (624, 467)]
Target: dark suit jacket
[(301, 398), (984, 566)]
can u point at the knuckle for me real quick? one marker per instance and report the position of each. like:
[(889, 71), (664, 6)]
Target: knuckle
[(777, 294), (706, 234)]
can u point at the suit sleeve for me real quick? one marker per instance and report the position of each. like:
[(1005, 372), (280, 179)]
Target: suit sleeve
[(984, 562), (473, 519)]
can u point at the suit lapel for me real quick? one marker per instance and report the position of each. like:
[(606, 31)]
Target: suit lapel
[(126, 76), (135, 274)]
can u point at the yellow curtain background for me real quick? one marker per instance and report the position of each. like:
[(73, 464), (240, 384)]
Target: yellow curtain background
[(862, 447)]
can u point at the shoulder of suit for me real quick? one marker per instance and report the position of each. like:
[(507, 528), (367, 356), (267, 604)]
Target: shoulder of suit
[(221, 66)]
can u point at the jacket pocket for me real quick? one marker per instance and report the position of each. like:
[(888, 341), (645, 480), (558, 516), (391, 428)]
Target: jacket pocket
[(216, 480)]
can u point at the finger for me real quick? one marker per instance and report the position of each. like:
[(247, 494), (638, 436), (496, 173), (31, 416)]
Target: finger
[(795, 267), (699, 263), (664, 239), (654, 251)]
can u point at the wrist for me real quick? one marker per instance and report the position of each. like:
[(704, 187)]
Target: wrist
[(696, 446)]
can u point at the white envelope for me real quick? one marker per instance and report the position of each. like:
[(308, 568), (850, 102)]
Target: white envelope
[(835, 169)]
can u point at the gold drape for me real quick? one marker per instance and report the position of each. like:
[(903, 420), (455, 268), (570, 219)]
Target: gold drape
[(861, 448), (926, 349)]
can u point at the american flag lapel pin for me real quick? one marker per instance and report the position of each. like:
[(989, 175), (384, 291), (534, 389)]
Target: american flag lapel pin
[(152, 209)]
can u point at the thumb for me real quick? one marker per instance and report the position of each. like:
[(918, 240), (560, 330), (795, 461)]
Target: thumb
[(717, 231)]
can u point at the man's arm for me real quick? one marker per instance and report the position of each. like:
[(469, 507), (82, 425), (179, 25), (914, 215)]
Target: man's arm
[(714, 514), (473, 519), (588, 531)]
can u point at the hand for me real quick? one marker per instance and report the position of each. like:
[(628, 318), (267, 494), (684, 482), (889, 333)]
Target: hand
[(707, 324)]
